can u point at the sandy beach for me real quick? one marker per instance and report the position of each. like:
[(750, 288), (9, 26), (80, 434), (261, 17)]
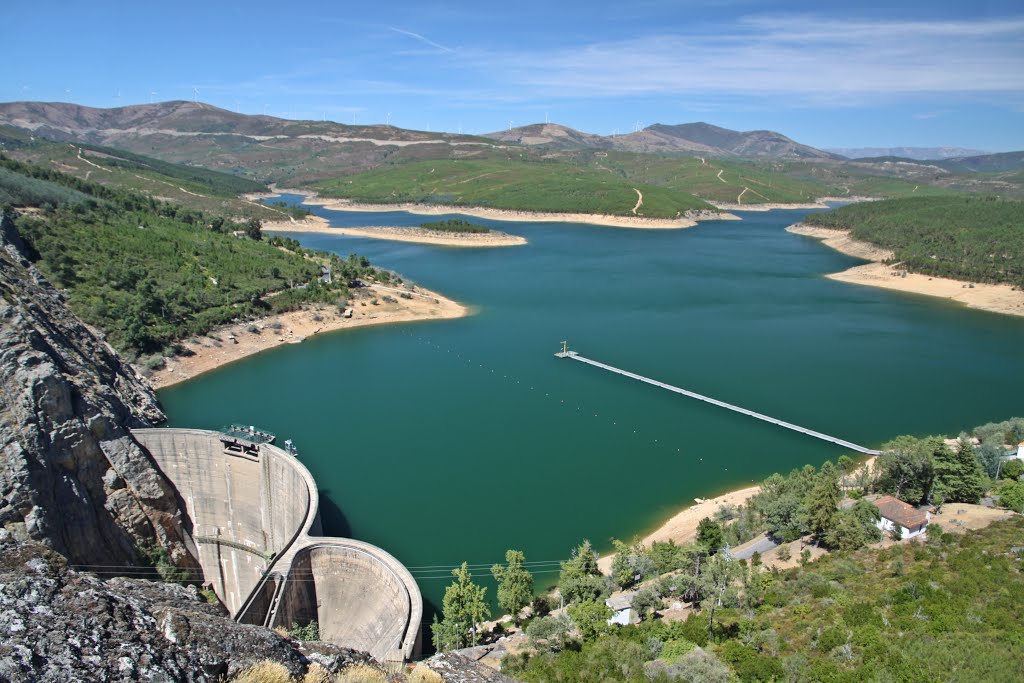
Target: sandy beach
[(687, 220), (234, 342), (316, 224), (987, 297), (682, 527)]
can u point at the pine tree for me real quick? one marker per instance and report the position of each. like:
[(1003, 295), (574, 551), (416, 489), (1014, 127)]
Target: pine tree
[(709, 535), (958, 476), (823, 504), (464, 606), (580, 578), (515, 583)]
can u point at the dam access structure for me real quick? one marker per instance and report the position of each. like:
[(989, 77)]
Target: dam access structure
[(566, 353), (255, 517)]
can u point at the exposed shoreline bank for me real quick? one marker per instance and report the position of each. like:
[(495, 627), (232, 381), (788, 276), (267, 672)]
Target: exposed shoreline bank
[(687, 220), (993, 298), (316, 224), (819, 203), (681, 528), (234, 342)]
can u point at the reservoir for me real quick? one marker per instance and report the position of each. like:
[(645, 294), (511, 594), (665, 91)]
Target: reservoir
[(451, 441)]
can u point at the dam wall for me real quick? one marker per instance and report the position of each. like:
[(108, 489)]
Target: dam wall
[(256, 525)]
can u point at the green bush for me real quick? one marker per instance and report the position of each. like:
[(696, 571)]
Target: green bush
[(309, 632)]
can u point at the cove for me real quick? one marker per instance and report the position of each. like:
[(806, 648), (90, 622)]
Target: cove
[(454, 440)]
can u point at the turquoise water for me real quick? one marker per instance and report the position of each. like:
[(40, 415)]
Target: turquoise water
[(454, 440)]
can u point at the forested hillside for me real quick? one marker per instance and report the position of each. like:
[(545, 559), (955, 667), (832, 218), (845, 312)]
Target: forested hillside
[(980, 239), (526, 186), (149, 273)]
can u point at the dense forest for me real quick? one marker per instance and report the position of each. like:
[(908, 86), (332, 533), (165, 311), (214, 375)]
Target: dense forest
[(454, 225), (979, 239), (150, 273)]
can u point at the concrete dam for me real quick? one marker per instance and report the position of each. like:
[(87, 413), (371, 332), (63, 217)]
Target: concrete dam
[(256, 531)]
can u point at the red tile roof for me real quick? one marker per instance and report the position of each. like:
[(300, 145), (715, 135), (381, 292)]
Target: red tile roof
[(900, 512)]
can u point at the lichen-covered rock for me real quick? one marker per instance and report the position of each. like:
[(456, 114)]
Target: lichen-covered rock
[(71, 475), (455, 668), (58, 625)]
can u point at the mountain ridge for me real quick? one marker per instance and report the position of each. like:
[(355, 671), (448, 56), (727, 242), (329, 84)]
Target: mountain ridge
[(699, 138), (915, 153)]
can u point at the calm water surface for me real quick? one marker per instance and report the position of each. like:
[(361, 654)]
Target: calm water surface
[(454, 440)]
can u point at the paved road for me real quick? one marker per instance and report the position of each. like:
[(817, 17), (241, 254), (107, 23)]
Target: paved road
[(762, 546)]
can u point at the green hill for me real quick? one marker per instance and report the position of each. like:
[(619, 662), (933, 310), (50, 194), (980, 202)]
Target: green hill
[(980, 239), (149, 273), (514, 185)]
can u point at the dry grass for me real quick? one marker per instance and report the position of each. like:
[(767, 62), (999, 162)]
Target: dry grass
[(361, 673), (317, 674), (421, 674), (264, 672)]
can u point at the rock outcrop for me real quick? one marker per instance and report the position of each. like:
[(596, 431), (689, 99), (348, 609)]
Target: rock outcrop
[(59, 625), (71, 475)]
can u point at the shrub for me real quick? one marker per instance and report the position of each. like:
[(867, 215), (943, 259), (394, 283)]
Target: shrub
[(1012, 469), (676, 648), (309, 632), (749, 665), (155, 361)]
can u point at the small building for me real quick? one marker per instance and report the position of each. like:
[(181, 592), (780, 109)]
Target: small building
[(895, 513), (1020, 452), (325, 275), (621, 605)]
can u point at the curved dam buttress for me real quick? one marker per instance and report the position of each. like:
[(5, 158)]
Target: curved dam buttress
[(256, 525)]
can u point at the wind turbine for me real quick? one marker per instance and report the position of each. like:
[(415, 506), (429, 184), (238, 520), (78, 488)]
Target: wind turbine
[(195, 94), (388, 120), (152, 94), (510, 122), (265, 109)]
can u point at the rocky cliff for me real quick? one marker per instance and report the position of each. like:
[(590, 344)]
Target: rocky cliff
[(58, 625), (71, 475)]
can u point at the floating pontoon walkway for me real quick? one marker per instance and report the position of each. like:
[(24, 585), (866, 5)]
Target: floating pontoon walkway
[(565, 353)]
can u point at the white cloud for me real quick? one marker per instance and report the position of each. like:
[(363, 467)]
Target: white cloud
[(825, 60), (421, 38)]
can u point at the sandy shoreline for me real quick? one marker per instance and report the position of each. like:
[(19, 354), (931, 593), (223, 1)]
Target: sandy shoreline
[(234, 342), (417, 235), (687, 220), (987, 297), (682, 526)]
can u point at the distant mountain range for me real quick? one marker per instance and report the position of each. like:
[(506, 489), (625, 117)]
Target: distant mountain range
[(305, 153), (60, 121), (916, 153), (695, 138)]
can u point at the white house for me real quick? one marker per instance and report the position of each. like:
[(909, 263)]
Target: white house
[(621, 605), (1020, 451), (895, 513)]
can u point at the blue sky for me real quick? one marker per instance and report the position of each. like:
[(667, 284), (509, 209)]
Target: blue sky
[(830, 75)]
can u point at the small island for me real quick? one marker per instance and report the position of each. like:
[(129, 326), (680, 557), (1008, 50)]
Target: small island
[(453, 232)]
